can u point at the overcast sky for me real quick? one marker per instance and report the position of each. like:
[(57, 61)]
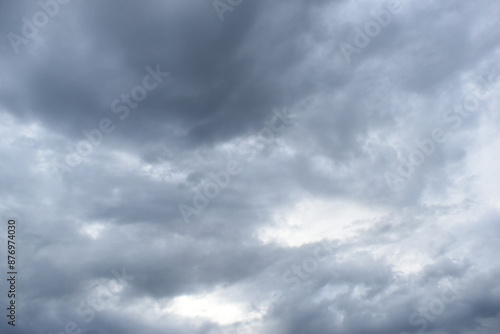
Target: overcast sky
[(255, 166)]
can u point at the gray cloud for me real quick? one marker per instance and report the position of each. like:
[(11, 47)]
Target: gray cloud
[(309, 237)]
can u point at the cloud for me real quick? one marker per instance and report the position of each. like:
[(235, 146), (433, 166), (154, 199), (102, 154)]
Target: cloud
[(310, 235)]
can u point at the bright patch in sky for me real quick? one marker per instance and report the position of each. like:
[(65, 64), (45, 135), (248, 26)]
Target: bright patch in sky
[(212, 306), (312, 220), (93, 230)]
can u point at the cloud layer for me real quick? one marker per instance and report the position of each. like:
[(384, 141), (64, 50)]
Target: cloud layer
[(252, 166)]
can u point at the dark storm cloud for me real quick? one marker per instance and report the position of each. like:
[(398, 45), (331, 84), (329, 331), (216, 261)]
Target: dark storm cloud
[(102, 53), (266, 253)]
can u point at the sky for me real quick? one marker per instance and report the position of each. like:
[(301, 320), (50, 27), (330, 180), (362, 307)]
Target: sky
[(250, 166)]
